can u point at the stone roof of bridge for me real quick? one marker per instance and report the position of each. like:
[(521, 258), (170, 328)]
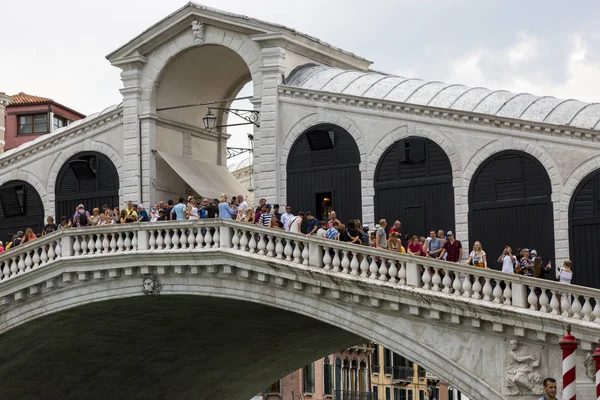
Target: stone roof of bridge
[(500, 103)]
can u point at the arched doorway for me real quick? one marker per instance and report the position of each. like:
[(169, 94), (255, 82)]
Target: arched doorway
[(87, 178), (21, 208), (323, 173), (510, 204), (584, 231), (413, 184)]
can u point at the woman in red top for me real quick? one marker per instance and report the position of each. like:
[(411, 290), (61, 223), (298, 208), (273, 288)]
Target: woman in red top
[(414, 247), (29, 236)]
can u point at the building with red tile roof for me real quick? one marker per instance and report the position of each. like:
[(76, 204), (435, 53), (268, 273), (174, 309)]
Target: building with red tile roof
[(28, 116)]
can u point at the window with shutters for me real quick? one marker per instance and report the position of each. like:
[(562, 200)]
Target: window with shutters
[(308, 375)]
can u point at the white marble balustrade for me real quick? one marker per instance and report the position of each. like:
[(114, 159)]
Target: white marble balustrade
[(359, 262)]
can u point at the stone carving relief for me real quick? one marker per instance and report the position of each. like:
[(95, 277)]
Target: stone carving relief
[(522, 370), (590, 366), (198, 32), (151, 285)]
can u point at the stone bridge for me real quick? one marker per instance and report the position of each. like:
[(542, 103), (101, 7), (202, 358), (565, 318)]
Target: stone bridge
[(167, 309)]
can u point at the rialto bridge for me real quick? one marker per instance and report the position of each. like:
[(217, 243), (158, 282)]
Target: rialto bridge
[(493, 166), (161, 310)]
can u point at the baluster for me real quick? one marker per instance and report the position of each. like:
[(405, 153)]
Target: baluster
[(28, 261), (208, 238), (337, 262), (476, 287), (134, 240), (168, 240), (507, 294), (251, 243), (373, 268), (456, 284), (297, 253), (44, 254), (183, 239), (545, 302), (383, 270), (2, 270), (21, 264), (14, 267), (447, 282), (127, 242), (83, 244), (270, 244), (175, 239), (91, 244), (113, 243), (200, 239), (151, 240), (244, 241), (105, 243), (345, 263), (565, 304), (466, 285), (554, 303), (279, 249), (487, 290), (288, 250), (587, 309), (532, 299), (576, 308), (305, 253), (364, 266), (160, 239), (426, 278), (36, 257), (261, 244), (98, 244), (6, 269), (76, 246), (217, 238), (55, 253), (393, 271), (236, 239), (327, 259), (191, 239), (436, 279), (596, 312)]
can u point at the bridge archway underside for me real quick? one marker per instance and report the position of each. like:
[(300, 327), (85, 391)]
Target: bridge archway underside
[(456, 338)]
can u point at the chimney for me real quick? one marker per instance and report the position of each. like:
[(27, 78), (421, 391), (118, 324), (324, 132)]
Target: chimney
[(4, 100)]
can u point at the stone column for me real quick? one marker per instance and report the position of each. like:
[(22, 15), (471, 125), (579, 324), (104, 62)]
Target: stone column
[(4, 100), (266, 147)]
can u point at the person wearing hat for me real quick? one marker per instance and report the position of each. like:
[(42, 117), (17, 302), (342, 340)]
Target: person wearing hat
[(452, 248), (525, 265), (265, 217), (533, 255)]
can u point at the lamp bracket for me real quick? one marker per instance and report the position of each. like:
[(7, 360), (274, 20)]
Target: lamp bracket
[(251, 116)]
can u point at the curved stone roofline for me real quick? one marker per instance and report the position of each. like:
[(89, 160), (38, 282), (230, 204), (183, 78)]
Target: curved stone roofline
[(70, 253), (52, 139), (477, 120), (541, 109)]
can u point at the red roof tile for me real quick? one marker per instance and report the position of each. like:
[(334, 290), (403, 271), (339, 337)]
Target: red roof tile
[(23, 98)]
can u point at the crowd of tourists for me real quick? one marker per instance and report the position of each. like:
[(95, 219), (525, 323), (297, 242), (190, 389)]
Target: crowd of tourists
[(440, 244)]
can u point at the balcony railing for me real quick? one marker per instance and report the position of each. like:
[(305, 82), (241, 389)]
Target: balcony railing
[(375, 369), (387, 370), (422, 373), (353, 395), (402, 374), (478, 285)]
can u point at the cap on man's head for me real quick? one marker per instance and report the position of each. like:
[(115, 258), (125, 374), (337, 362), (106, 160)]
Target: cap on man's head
[(308, 214), (534, 252), (268, 206), (80, 206), (365, 226), (525, 250), (449, 233)]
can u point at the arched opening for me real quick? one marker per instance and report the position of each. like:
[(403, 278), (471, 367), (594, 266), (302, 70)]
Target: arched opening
[(191, 159), (338, 377), (413, 184), (510, 204), (584, 231), (363, 378), (323, 173), (21, 208), (327, 377), (87, 178)]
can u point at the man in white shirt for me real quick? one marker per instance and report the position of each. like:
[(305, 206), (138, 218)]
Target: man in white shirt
[(287, 217), (242, 207)]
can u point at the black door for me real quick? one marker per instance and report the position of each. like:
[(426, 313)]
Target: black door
[(21, 208), (584, 231), (87, 178), (413, 184), (324, 161), (510, 204)]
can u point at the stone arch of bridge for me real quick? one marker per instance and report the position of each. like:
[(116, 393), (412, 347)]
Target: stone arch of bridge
[(340, 323)]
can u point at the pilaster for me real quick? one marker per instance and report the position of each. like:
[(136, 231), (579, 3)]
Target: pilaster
[(4, 100), (266, 148)]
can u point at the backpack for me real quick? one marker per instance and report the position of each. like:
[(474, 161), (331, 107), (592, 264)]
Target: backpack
[(83, 219)]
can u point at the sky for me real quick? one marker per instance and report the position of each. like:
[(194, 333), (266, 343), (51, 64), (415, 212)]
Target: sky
[(57, 48)]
